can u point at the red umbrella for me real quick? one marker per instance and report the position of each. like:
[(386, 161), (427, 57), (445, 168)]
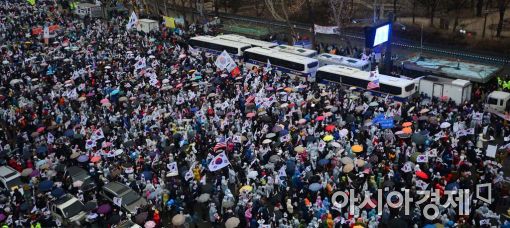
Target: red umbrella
[(250, 99), (422, 175), (40, 130), (319, 118), (330, 128)]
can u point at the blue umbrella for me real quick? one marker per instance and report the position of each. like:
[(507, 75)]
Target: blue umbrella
[(284, 132), (42, 149), (452, 186), (83, 158), (147, 175), (45, 186), (69, 133), (315, 187), (114, 92), (323, 162), (57, 192)]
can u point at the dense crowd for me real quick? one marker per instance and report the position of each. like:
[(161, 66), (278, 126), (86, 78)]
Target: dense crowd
[(147, 111)]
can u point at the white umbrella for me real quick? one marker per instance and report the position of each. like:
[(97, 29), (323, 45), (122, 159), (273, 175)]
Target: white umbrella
[(178, 220), (232, 222), (252, 174), (445, 125), (344, 132), (204, 198), (77, 183)]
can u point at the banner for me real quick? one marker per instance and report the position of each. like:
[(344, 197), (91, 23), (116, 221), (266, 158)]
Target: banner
[(39, 30), (325, 29), (169, 22)]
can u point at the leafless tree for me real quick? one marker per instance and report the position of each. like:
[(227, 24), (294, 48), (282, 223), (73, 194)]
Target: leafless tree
[(502, 6), (340, 13), (280, 11)]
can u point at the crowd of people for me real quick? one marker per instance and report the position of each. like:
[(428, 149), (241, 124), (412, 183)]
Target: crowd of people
[(203, 147)]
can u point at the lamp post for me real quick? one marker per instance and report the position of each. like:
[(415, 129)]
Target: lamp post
[(486, 13)]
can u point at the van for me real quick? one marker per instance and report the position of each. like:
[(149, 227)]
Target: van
[(10, 178)]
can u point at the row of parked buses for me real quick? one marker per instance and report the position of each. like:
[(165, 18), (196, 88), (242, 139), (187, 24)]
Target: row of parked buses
[(300, 62)]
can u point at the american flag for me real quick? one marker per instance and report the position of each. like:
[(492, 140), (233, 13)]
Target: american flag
[(373, 84), (220, 145)]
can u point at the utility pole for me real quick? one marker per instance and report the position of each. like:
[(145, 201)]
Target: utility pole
[(312, 20), (388, 62), (375, 11), (421, 40), (486, 13)]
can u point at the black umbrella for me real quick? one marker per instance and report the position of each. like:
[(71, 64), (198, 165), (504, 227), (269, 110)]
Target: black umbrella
[(91, 205), (129, 143), (114, 219), (140, 218), (418, 138), (397, 223)]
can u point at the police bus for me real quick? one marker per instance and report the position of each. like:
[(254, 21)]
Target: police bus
[(296, 50), (282, 62), (401, 89), (246, 40), (331, 59), (215, 46)]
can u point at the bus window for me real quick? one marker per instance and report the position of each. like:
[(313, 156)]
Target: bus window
[(409, 88), (322, 75), (390, 89), (355, 82), (492, 101), (312, 65)]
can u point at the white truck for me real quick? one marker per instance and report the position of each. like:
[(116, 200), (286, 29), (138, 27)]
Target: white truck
[(498, 103), (444, 88)]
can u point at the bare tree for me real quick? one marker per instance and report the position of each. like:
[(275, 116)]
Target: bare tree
[(479, 8), (456, 6), (502, 5), (273, 5), (340, 15), (431, 8), (260, 7)]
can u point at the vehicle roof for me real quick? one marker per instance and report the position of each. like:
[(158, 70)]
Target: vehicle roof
[(65, 200), (116, 187), (357, 73), (215, 40), (243, 39), (6, 170), (281, 55), (499, 94), (75, 169), (293, 49), (342, 59)]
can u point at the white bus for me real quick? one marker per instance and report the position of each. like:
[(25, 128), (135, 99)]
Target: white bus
[(293, 65), (330, 59), (401, 89), (215, 46), (296, 50), (246, 40)]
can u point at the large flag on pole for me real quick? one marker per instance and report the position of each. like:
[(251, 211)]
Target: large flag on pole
[(133, 20)]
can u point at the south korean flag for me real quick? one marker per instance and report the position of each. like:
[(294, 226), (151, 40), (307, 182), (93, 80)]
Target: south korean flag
[(172, 168), (90, 144), (98, 134)]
